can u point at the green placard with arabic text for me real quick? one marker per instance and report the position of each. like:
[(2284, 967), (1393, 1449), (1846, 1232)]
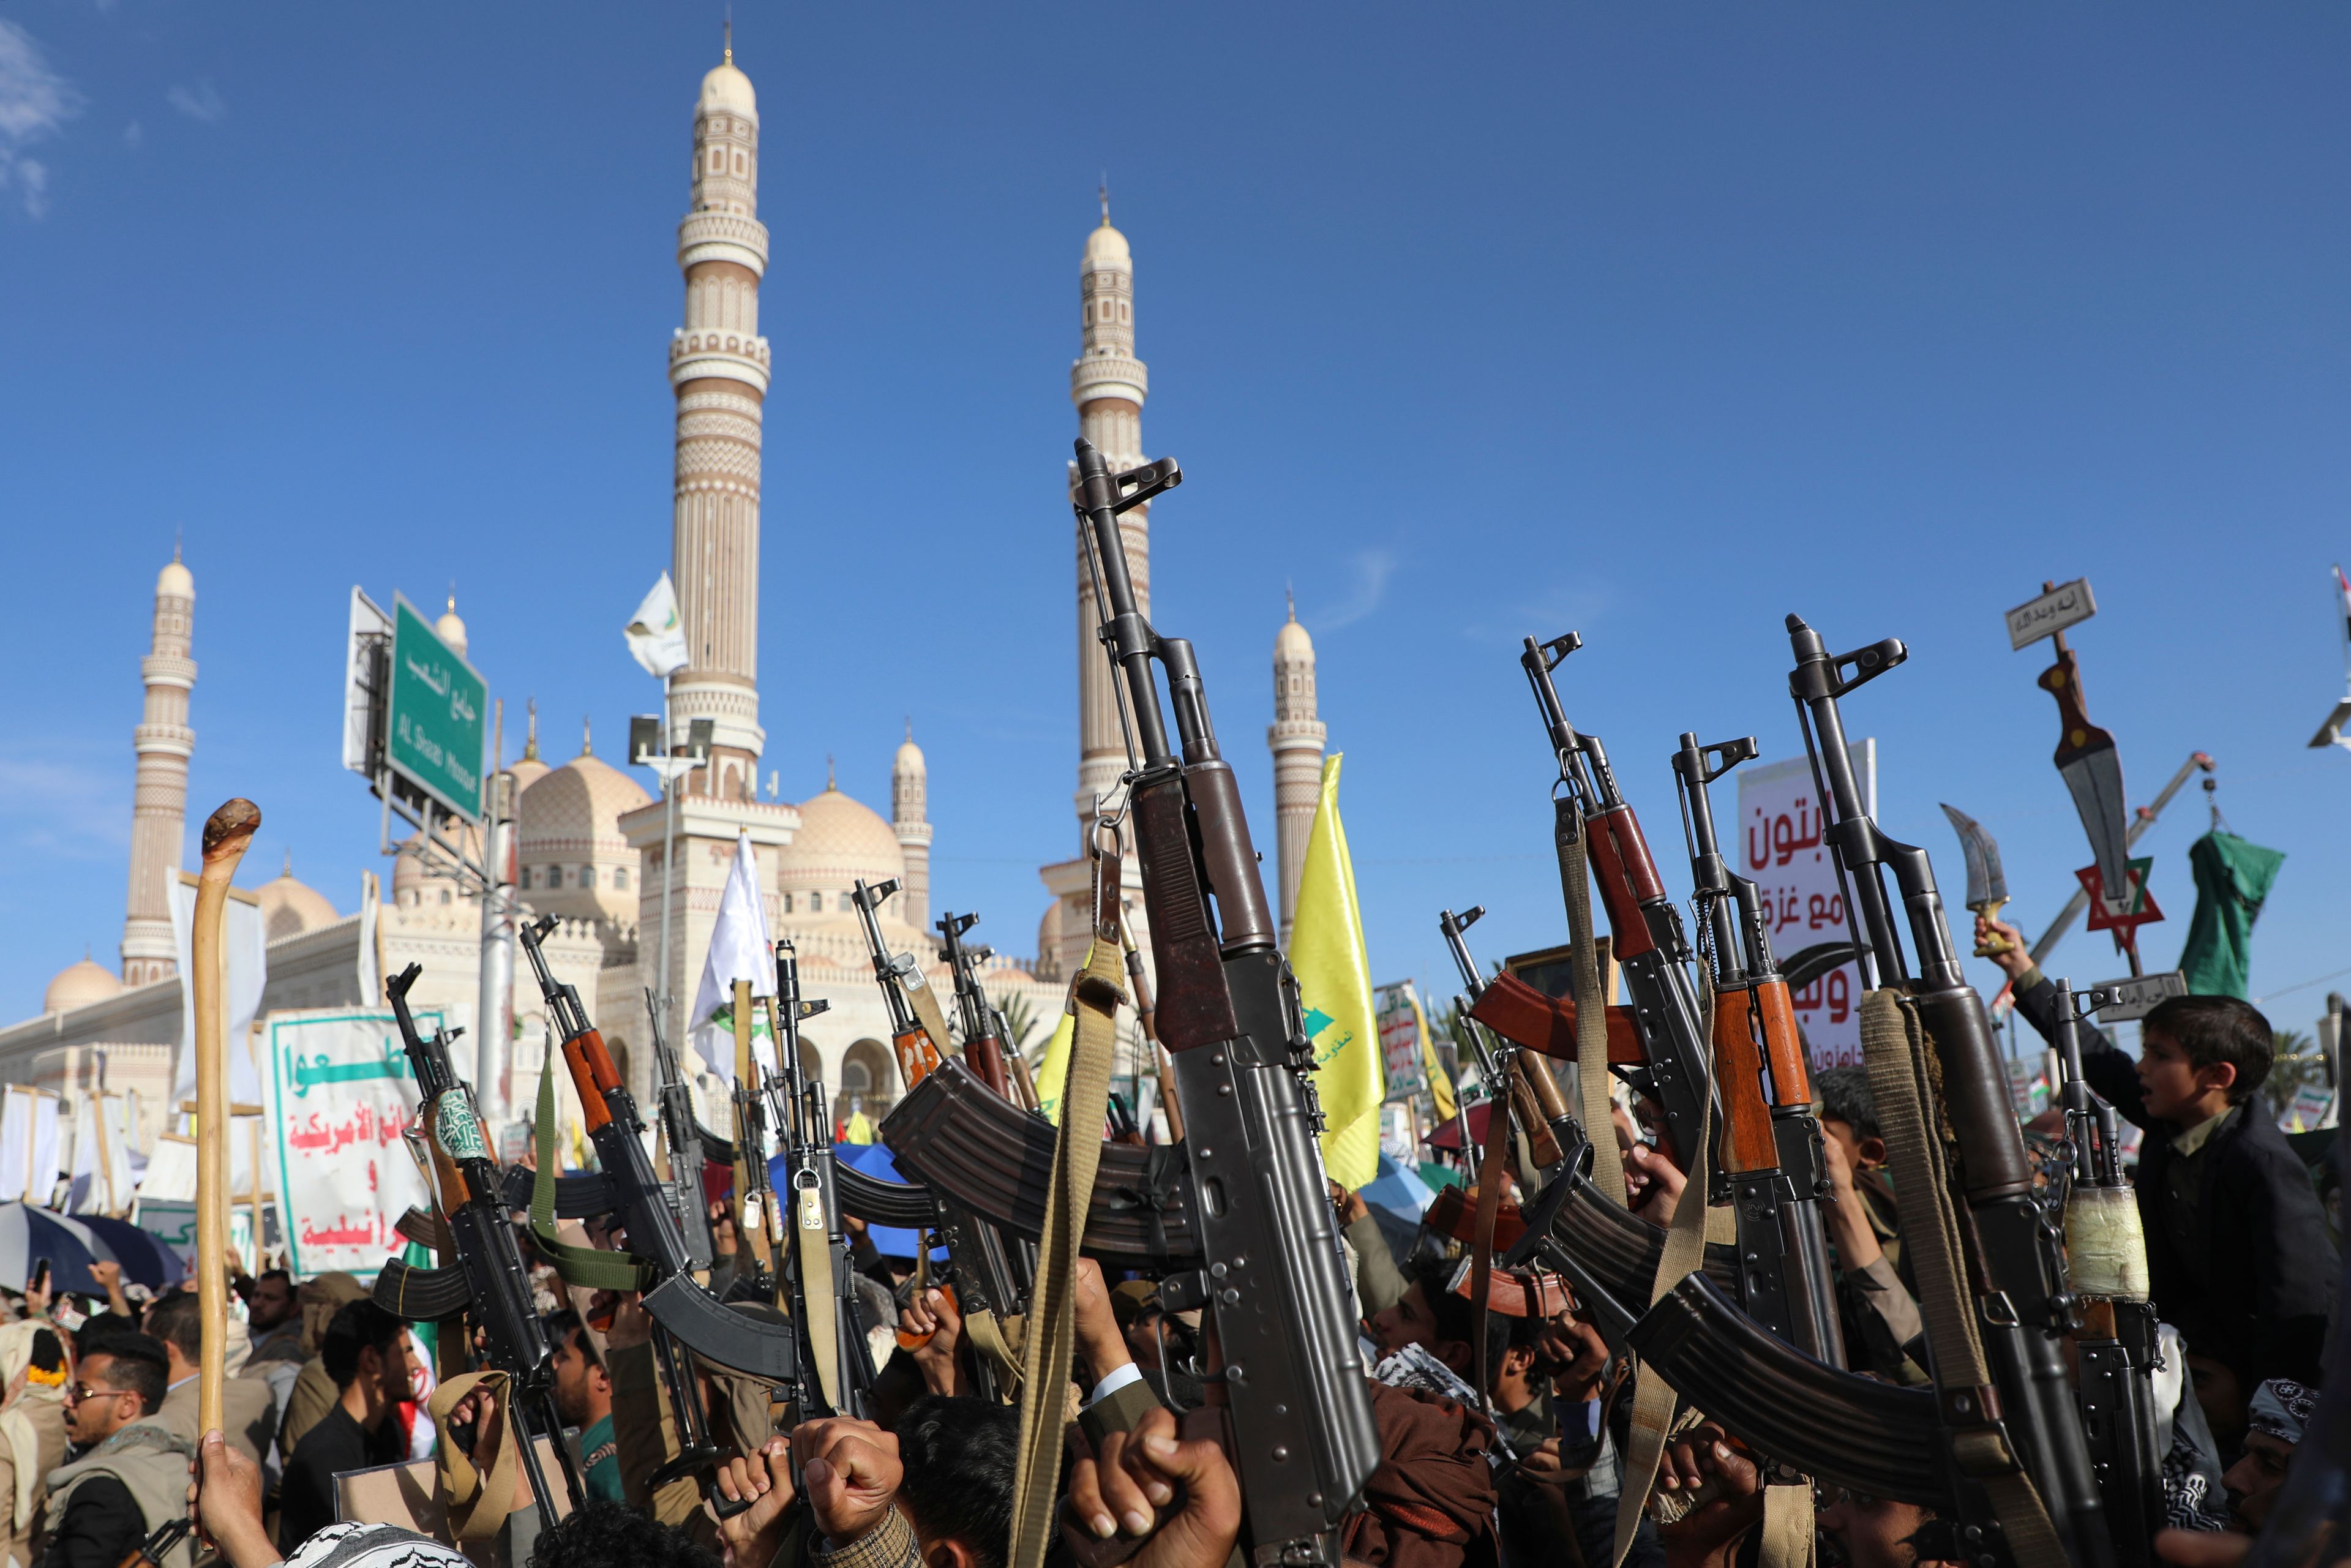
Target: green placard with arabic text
[(437, 724), (340, 1095)]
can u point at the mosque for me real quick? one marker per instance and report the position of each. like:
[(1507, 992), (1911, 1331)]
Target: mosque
[(592, 844)]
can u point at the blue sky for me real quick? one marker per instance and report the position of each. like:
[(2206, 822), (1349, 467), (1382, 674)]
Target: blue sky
[(1653, 322)]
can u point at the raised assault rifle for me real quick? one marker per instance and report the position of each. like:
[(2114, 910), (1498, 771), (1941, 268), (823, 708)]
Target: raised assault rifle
[(1645, 928), (490, 1282), (1299, 1410), (683, 1132), (983, 1051), (1772, 1161), (917, 1053)]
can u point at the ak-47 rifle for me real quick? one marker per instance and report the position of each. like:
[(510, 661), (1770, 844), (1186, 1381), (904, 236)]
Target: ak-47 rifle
[(1298, 1412), (983, 1049), (490, 1282), (681, 1131), (683, 1312), (2018, 1286), (2106, 1261), (1530, 1092), (1771, 1156), (835, 1372), (897, 974), (1644, 926)]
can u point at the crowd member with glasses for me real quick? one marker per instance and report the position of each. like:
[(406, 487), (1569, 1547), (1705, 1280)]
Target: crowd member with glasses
[(131, 1472)]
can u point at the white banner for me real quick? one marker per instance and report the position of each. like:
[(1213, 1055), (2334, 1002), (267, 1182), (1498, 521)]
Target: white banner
[(245, 943), (340, 1096), (1780, 847), (29, 1145)]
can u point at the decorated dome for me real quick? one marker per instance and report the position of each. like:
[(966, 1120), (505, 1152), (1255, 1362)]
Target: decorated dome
[(289, 907), (174, 581), (1107, 247), (578, 807), (726, 90), (839, 841), (1292, 643), (77, 986)]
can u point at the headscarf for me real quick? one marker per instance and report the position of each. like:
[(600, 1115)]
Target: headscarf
[(320, 1300), (16, 1428), (2281, 1409)]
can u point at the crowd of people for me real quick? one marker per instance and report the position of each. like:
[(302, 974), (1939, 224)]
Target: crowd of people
[(99, 1448)]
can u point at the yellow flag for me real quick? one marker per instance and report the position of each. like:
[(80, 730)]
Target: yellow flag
[(860, 1129), (1334, 986), (1053, 1065)]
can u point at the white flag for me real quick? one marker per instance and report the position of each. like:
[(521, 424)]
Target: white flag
[(370, 976), (247, 944), (657, 640), (739, 950)]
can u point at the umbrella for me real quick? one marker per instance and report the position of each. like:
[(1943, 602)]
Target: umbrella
[(1448, 1134), (1398, 1190), (28, 1235), (145, 1259), (874, 1160)]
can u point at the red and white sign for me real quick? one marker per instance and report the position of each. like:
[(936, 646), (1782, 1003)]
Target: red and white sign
[(1779, 846)]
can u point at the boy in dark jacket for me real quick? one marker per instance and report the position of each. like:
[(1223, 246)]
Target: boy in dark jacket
[(2237, 1251)]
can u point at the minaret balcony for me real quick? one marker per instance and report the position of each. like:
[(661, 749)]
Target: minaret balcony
[(723, 236), (696, 354), (168, 670), (164, 739), (1108, 376)]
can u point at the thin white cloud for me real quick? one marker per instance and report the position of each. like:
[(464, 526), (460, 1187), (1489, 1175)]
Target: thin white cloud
[(34, 103), (1370, 570), (68, 808), (133, 135), (201, 102)]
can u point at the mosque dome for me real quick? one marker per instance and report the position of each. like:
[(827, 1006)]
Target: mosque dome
[(77, 986), (174, 581), (528, 771), (289, 907), (578, 805), (910, 757), (1293, 642), (840, 841), (726, 90), (1106, 247), (451, 630)]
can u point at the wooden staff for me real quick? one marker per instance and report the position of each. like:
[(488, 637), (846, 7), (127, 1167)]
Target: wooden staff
[(226, 835)]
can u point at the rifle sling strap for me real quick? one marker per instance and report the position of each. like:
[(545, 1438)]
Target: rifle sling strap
[(1684, 1254), (590, 1267), (1050, 1337), (812, 1249), (1590, 1007), (478, 1503), (1893, 1047), (925, 1000)]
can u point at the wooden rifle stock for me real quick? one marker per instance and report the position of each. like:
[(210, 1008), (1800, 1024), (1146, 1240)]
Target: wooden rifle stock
[(593, 1074), (918, 1055), (1748, 1143), (1546, 1025)]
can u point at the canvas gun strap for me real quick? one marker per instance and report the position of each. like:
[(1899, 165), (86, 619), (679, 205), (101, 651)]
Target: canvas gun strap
[(812, 1246), (1590, 1007), (590, 1267), (478, 1503), (1684, 1254), (1894, 1047), (1049, 1340)]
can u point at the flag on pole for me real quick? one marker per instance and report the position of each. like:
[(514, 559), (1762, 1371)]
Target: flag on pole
[(739, 950), (1335, 989), (2232, 879), (656, 638), (1440, 1088)]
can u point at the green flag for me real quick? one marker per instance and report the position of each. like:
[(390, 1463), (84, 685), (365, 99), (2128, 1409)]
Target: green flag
[(2232, 877)]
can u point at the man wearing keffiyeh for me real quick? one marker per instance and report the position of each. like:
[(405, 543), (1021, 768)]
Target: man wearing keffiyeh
[(2273, 1424)]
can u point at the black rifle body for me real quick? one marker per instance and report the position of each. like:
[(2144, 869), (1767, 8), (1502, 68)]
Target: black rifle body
[(2027, 1306), (683, 1132), (1299, 1406), (1645, 936), (497, 1281)]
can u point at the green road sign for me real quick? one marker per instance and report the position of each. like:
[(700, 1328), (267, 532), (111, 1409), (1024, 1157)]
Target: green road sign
[(434, 730)]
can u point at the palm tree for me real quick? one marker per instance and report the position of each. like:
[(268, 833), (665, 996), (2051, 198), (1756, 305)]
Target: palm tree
[(1020, 1019)]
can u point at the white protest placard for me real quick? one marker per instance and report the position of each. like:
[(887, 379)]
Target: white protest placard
[(2067, 604), (1400, 1048), (1781, 848), (340, 1094)]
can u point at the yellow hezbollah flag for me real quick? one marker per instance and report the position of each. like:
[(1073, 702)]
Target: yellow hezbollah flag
[(1053, 1066), (1334, 987)]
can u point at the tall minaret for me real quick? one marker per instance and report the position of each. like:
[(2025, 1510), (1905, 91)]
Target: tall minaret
[(1108, 384), (159, 808), (718, 368), (1295, 738), (909, 792)]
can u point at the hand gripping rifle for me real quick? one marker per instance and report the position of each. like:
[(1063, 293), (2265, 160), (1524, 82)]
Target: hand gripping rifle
[(835, 1372), (681, 1131), (680, 1308), (900, 977), (983, 1049), (2106, 1258), (2018, 1283), (490, 1282), (1300, 1414), (1771, 1156), (1646, 929)]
